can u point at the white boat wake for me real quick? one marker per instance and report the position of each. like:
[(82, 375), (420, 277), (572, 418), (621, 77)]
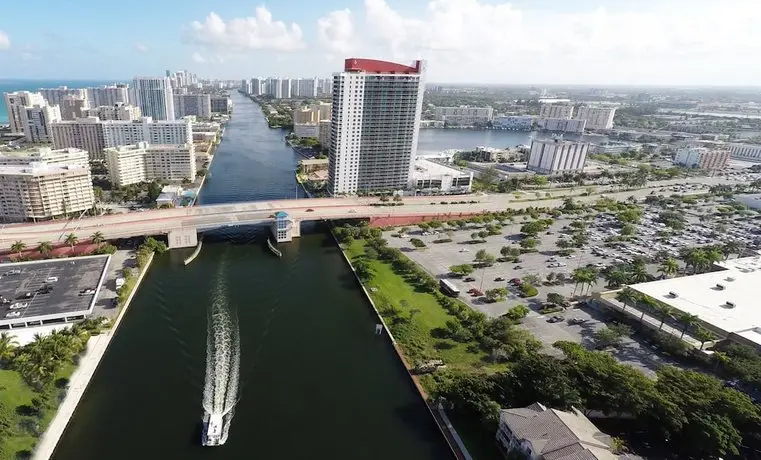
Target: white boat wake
[(220, 394)]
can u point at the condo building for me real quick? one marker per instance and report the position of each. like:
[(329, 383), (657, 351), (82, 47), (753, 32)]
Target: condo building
[(597, 117), (154, 96), (746, 152), (37, 121), (68, 156), (464, 115), (221, 103), (375, 122), (108, 95), (701, 157), (562, 125), (555, 156), (15, 103), (118, 111), (55, 96), (198, 105), (144, 162), (564, 111)]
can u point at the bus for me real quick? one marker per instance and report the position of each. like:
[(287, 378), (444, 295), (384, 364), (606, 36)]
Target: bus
[(448, 288)]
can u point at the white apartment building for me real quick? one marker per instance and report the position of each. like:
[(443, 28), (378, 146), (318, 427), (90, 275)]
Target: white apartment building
[(513, 122), (221, 103), (746, 152), (68, 156), (198, 105), (307, 130), (42, 191), (118, 111), (554, 156), (307, 87), (73, 107), (561, 125), (37, 120), (154, 96), (93, 135), (464, 115), (597, 117), (303, 115), (257, 86), (324, 137), (701, 157), (285, 88), (108, 96), (313, 113), (55, 96), (375, 125), (143, 162), (15, 103), (564, 111)]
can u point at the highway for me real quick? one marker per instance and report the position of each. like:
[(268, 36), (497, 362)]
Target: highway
[(160, 221)]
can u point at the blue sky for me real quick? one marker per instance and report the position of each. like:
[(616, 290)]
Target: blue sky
[(688, 42)]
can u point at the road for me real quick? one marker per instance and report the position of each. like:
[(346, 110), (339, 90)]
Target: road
[(161, 221)]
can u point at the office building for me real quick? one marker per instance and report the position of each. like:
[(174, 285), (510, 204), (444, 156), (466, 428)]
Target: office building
[(555, 156), (73, 107), (220, 103), (600, 118), (117, 111), (563, 111), (375, 123), (430, 177), (15, 103), (561, 125), (108, 96), (55, 96), (93, 135), (154, 96), (513, 122), (745, 152), (38, 191), (198, 105), (144, 162), (701, 157), (68, 156), (464, 115), (37, 120)]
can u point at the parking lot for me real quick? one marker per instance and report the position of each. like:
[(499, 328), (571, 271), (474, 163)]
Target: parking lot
[(49, 289)]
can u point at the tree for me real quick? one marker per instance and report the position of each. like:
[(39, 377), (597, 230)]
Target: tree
[(582, 276), (555, 298), (529, 243), (669, 267), (517, 313), (417, 242), (608, 337), (7, 348), (18, 247), (664, 311), (71, 240), (423, 226), (616, 277), (731, 247), (363, 269), (97, 238), (532, 279), (687, 320), (505, 251), (639, 274), (45, 247), (474, 236), (704, 335), (627, 296), (496, 294), (461, 270), (484, 257), (628, 230)]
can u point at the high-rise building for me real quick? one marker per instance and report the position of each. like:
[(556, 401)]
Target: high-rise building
[(702, 157), (552, 156), (68, 156), (324, 127), (257, 86), (198, 105), (143, 162), (118, 111), (108, 95), (746, 152), (597, 117), (562, 125), (54, 96), (15, 103), (285, 88), (375, 122), (73, 107), (82, 133), (38, 190), (154, 96), (307, 87), (37, 120), (220, 103), (564, 111)]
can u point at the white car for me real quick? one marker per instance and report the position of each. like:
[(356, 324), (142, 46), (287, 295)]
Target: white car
[(464, 250), (51, 279), (18, 305), (13, 314)]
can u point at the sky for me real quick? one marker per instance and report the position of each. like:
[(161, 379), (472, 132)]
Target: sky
[(589, 42)]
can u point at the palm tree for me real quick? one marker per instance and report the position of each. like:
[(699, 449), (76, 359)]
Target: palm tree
[(71, 240), (704, 335), (639, 274), (663, 311), (18, 247), (578, 277), (669, 267), (712, 256), (627, 296), (729, 248), (45, 247), (7, 347), (616, 277), (687, 320), (97, 238)]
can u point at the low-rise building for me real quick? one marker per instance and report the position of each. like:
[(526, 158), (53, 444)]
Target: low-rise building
[(702, 157), (746, 152), (67, 156), (555, 156), (541, 433), (464, 115), (39, 191), (513, 122), (118, 111), (563, 111), (170, 196), (143, 162), (561, 125), (614, 148), (306, 130), (429, 177), (600, 118)]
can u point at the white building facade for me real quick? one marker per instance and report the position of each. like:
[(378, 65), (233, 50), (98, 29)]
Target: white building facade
[(701, 157), (513, 122), (563, 111), (561, 125), (198, 105), (37, 121), (15, 103), (55, 96), (108, 95), (68, 156), (555, 156), (375, 123), (143, 162), (464, 115), (117, 111), (154, 96), (746, 152), (600, 118)]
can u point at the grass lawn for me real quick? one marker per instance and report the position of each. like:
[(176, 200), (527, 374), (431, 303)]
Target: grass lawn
[(416, 337), (479, 441), (14, 392)]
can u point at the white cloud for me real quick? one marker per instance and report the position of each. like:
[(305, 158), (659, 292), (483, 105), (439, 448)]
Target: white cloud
[(249, 33), (198, 58), (5, 42), (335, 31), (470, 40), (141, 47)]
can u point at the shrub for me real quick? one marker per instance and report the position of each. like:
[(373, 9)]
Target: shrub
[(528, 290)]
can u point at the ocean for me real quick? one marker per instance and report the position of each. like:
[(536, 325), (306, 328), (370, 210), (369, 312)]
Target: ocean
[(8, 86)]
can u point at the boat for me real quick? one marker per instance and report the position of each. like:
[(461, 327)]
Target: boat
[(212, 430)]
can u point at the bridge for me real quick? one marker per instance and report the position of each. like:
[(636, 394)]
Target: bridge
[(182, 224)]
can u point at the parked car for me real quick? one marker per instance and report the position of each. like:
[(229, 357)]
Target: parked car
[(518, 267), (88, 291), (13, 314), (577, 321), (19, 305), (51, 279), (469, 279), (555, 319), (499, 278), (15, 271), (310, 210)]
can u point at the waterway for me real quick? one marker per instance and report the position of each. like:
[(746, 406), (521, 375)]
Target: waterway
[(315, 381)]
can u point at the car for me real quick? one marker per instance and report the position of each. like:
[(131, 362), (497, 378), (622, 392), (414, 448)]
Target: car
[(516, 282), (18, 305), (577, 321), (552, 259), (464, 250), (555, 319), (51, 279), (517, 267), (13, 314), (499, 278), (46, 289), (4, 300), (13, 272), (469, 279), (476, 293), (25, 295), (310, 210), (88, 291)]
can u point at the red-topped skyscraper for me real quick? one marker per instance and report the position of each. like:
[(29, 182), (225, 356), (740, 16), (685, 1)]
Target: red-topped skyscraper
[(374, 125)]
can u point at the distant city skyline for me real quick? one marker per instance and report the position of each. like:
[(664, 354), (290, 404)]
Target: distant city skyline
[(541, 42)]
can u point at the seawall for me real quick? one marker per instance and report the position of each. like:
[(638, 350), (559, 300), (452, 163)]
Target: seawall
[(195, 253)]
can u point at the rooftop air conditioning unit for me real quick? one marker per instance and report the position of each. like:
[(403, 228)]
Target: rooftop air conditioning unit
[(720, 287), (673, 294), (729, 279), (730, 305)]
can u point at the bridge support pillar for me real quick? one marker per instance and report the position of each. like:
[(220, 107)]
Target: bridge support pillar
[(285, 228), (186, 237)]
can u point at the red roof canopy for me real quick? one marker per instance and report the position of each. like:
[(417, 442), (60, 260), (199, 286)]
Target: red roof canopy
[(375, 66)]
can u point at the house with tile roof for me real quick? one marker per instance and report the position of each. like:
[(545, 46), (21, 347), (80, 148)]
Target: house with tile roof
[(550, 434)]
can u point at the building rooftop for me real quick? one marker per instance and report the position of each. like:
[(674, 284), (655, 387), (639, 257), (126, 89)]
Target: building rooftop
[(314, 161), (40, 167), (725, 299), (426, 168)]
